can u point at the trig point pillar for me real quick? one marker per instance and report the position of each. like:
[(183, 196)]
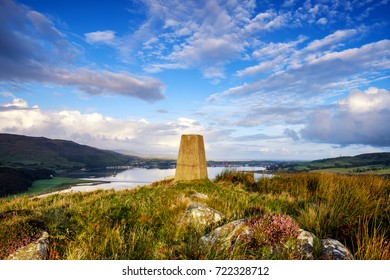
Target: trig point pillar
[(191, 162)]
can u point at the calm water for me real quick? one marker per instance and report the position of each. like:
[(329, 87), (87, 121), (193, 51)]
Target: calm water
[(132, 178)]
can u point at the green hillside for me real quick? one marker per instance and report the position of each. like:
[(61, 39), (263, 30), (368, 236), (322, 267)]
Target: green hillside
[(373, 163), (25, 159), (24, 151)]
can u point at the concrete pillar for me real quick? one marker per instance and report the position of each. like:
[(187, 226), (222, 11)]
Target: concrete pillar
[(191, 162)]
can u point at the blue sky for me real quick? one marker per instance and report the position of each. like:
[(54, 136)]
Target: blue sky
[(296, 80)]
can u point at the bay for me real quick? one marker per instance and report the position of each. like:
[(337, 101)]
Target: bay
[(135, 177)]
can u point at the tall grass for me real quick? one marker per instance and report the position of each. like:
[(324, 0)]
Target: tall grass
[(145, 223), (352, 209)]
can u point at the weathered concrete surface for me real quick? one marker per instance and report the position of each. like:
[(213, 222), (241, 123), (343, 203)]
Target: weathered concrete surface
[(191, 163)]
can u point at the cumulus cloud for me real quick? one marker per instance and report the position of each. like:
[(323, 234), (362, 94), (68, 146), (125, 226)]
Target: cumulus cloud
[(96, 129), (33, 50), (372, 99), (16, 103), (361, 118)]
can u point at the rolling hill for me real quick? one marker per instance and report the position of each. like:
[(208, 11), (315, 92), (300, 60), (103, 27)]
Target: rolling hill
[(375, 163), (33, 152), (24, 159)]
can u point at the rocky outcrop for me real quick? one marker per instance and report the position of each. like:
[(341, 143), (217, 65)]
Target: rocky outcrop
[(198, 214), (38, 250)]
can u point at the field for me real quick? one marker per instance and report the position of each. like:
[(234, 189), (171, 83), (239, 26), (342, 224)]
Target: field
[(50, 185), (145, 223)]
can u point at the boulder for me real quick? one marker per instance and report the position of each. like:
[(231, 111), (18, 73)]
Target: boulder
[(227, 235), (334, 250), (199, 214), (38, 250), (305, 244)]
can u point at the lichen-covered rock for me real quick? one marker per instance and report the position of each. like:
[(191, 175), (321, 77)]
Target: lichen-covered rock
[(334, 250), (199, 214), (199, 195), (305, 244), (38, 250), (228, 234)]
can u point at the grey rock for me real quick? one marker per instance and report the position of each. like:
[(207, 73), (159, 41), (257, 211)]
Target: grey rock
[(305, 244), (334, 250), (199, 195), (201, 215), (227, 235), (38, 250)]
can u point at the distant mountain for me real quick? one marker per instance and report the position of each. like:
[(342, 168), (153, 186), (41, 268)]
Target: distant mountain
[(41, 152)]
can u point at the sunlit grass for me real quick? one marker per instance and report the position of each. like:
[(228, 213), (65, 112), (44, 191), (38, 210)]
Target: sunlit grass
[(144, 223)]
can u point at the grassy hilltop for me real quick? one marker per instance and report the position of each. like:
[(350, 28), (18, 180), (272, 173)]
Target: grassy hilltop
[(145, 223)]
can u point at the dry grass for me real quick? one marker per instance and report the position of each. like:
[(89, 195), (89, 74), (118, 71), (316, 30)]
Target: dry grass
[(143, 223)]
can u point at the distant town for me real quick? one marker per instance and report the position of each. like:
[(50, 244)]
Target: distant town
[(171, 164)]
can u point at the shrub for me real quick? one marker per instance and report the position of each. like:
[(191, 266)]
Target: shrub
[(272, 230)]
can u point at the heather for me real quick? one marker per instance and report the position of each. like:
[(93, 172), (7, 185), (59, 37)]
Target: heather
[(145, 223)]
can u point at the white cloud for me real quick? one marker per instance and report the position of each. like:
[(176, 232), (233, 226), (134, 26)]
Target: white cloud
[(331, 40), (33, 50), (370, 100), (262, 67), (96, 129), (314, 74), (106, 37), (362, 118), (322, 21), (17, 103), (214, 72), (266, 21), (105, 82)]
